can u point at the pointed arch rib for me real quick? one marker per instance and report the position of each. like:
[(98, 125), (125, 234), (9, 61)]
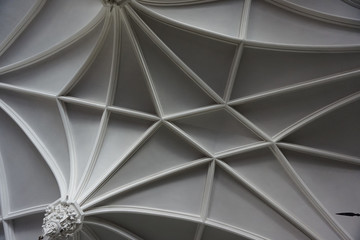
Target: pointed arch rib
[(143, 210), (111, 227), (145, 180), (308, 194), (26, 212), (141, 59), (320, 113), (297, 86), (71, 146), (85, 195), (4, 192), (219, 36), (55, 49), (95, 51), (292, 219), (94, 154), (21, 26), (321, 153), (40, 146), (322, 16), (205, 205), (193, 76)]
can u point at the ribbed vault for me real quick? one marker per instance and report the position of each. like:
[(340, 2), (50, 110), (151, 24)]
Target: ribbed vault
[(181, 119)]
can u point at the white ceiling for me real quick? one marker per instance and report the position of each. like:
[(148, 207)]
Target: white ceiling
[(181, 119)]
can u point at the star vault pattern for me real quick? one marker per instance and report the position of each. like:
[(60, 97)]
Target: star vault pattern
[(181, 119)]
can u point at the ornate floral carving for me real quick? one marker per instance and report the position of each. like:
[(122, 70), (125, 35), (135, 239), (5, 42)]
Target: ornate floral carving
[(62, 219)]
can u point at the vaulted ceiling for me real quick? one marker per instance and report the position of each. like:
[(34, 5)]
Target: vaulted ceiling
[(181, 119)]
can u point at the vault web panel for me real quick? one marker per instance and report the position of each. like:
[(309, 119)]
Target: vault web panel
[(180, 119)]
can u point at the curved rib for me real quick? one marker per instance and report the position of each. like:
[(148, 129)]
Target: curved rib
[(236, 230), (76, 236), (26, 91), (176, 215), (111, 227), (243, 149), (307, 12), (115, 59), (82, 102), (9, 230), (247, 123), (297, 86), (188, 138), (321, 153), (320, 113), (94, 154), (188, 71), (205, 204), (105, 116), (143, 64), (81, 198), (307, 48), (89, 233), (193, 112), (233, 72), (25, 212), (144, 181), (245, 19), (71, 146), (4, 191), (39, 145), (308, 194), (144, 210), (21, 26), (184, 26), (174, 2), (95, 51), (268, 201), (133, 113), (239, 50), (55, 49)]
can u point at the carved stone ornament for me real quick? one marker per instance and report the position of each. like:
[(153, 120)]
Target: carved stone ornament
[(62, 219)]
